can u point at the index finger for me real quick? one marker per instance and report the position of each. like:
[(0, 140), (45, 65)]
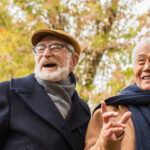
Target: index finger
[(103, 107)]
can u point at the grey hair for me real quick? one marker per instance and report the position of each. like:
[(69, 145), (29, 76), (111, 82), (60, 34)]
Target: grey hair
[(144, 42)]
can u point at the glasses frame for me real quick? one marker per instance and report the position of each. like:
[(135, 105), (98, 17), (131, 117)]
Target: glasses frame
[(49, 46)]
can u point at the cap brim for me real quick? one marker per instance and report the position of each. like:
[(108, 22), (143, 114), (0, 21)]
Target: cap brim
[(38, 35)]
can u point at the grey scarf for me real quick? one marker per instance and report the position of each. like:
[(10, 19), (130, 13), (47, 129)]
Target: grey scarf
[(60, 92)]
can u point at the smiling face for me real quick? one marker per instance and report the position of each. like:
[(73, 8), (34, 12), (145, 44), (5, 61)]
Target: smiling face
[(55, 65), (142, 67)]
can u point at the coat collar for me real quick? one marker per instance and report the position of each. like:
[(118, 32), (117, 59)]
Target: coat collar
[(37, 99), (25, 84)]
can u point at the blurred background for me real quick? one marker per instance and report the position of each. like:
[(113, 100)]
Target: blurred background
[(107, 31)]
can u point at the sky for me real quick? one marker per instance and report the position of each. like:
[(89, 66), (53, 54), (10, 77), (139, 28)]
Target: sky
[(142, 7)]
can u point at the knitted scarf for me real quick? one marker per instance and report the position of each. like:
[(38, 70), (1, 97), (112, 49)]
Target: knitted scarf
[(138, 102), (60, 92)]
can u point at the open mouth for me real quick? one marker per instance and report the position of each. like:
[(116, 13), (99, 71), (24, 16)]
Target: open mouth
[(49, 65), (146, 78)]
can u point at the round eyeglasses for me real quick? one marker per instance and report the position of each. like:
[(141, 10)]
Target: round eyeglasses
[(55, 47)]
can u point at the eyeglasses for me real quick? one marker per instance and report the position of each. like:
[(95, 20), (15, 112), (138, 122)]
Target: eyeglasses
[(55, 47)]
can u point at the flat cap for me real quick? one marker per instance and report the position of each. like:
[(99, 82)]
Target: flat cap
[(39, 34)]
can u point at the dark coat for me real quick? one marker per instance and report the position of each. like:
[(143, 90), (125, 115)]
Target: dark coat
[(29, 120)]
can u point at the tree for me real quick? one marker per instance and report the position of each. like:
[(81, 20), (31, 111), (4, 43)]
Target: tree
[(107, 33)]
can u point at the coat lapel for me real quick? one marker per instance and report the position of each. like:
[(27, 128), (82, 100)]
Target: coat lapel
[(38, 100), (79, 113)]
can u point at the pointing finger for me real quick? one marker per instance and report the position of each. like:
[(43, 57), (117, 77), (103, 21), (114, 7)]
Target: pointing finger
[(104, 107), (125, 117)]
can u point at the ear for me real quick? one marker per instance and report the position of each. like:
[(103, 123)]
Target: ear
[(74, 61)]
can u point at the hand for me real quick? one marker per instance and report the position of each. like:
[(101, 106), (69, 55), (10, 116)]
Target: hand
[(111, 129)]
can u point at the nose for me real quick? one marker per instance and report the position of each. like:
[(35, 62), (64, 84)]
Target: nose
[(47, 52), (147, 66)]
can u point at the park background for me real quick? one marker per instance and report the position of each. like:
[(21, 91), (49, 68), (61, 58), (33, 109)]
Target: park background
[(107, 31)]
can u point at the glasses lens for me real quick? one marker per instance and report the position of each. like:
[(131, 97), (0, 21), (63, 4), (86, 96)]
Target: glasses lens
[(39, 49), (55, 47)]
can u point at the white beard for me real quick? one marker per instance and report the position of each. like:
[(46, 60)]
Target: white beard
[(59, 74)]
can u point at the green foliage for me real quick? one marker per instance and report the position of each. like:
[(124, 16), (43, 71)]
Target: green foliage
[(98, 27)]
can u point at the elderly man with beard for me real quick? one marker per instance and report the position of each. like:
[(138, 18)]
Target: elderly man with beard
[(43, 110), (112, 127)]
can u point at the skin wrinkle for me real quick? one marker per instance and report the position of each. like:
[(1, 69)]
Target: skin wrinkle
[(58, 75), (142, 67), (65, 61), (143, 43)]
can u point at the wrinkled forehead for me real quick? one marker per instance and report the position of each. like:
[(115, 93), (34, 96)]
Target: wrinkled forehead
[(145, 50), (52, 38)]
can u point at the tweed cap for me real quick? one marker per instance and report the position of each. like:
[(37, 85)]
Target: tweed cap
[(39, 34)]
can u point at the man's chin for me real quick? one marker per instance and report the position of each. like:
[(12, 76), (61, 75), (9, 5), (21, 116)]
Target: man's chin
[(49, 69), (52, 76), (47, 76), (145, 87)]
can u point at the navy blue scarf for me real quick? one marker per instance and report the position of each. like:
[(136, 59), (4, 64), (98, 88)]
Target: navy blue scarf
[(137, 101)]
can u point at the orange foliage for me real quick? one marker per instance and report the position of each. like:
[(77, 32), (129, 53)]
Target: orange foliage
[(1, 30)]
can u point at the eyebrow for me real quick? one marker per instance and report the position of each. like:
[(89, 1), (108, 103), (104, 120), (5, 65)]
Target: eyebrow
[(140, 55)]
